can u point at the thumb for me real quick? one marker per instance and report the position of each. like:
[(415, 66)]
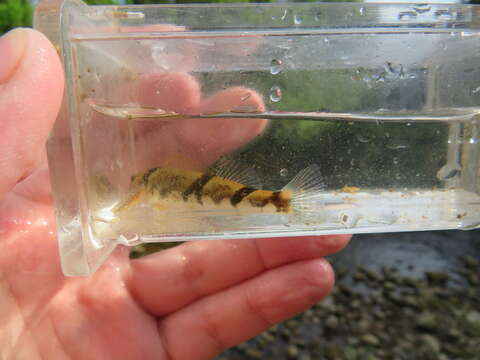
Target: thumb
[(31, 90)]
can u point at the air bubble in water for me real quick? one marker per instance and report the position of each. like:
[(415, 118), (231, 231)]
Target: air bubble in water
[(443, 14), (363, 139), (407, 15), (283, 172), (275, 66), (297, 19), (397, 144), (395, 160), (422, 8), (275, 94)]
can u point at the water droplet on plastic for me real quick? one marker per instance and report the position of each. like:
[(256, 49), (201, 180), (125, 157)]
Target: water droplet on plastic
[(284, 16), (363, 139), (349, 220), (297, 19), (362, 11), (445, 14), (476, 90), (422, 8), (246, 96), (395, 160), (449, 171), (317, 16), (326, 40), (283, 172), (407, 15), (275, 66), (275, 94), (408, 124)]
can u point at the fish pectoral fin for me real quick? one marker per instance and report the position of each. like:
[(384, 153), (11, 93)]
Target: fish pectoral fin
[(132, 199), (160, 207)]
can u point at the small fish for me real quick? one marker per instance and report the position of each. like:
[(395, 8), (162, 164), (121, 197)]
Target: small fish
[(229, 184)]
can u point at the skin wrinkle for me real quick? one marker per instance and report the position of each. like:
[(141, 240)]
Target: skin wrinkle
[(23, 333), (250, 302), (62, 346), (191, 272), (260, 255), (212, 328), (164, 340)]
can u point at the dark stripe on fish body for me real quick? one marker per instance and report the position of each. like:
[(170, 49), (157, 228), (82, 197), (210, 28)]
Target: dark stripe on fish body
[(147, 174), (241, 194), (281, 204), (196, 187)]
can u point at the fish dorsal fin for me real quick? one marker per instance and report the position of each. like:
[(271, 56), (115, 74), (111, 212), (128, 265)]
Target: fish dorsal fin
[(233, 170), (306, 184)]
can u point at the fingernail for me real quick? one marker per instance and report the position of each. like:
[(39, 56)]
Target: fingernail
[(12, 45)]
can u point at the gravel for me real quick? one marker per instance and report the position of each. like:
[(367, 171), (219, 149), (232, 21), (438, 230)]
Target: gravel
[(396, 310)]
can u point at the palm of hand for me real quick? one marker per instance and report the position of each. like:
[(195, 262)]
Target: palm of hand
[(189, 302)]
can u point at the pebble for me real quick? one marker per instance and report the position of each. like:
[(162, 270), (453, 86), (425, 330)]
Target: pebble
[(350, 353), (470, 261), (426, 320), (363, 325), (332, 322), (355, 304), (473, 278), (431, 342), (472, 320), (268, 337), (333, 351), (379, 314), (254, 353), (388, 285), (358, 276), (292, 323), (370, 339), (305, 356), (437, 277), (292, 351), (328, 304)]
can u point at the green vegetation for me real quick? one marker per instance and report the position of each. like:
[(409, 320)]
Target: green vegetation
[(18, 13), (15, 13)]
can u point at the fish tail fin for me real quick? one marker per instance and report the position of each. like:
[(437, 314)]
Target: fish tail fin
[(306, 191), (132, 199)]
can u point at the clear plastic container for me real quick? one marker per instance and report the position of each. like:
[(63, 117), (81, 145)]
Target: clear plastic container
[(236, 121)]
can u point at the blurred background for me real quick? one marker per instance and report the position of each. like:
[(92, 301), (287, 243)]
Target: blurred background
[(398, 296)]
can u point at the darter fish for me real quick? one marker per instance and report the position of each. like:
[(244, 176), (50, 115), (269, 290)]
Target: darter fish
[(226, 185)]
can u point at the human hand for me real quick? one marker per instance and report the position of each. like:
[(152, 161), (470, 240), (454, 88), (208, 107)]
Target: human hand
[(189, 302)]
